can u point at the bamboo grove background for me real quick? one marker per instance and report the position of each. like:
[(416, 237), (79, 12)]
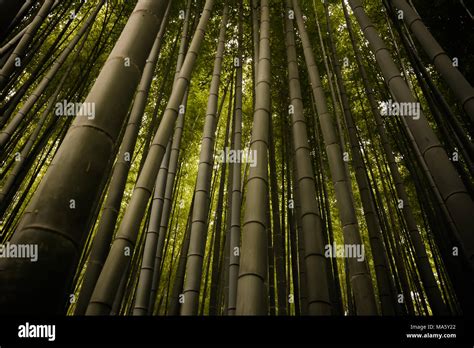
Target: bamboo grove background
[(134, 213)]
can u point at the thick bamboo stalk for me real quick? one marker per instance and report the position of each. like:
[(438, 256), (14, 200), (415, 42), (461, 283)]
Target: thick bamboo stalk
[(58, 214)]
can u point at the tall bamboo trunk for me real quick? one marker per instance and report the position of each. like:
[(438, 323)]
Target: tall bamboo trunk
[(174, 303), (217, 249), (148, 267), (111, 207), (251, 290), (388, 152), (278, 244), (117, 259), (379, 255), (199, 222), (167, 198), (316, 277), (234, 242), (361, 281), (170, 188)]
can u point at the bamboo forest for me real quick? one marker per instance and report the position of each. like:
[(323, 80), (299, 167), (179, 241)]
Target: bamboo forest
[(237, 158)]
